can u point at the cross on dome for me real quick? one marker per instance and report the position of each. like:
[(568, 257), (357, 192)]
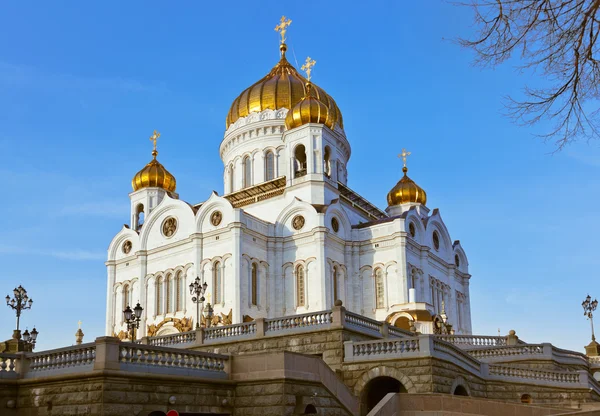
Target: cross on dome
[(282, 27), (404, 155), (153, 139), (307, 67)]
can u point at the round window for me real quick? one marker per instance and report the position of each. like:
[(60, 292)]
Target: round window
[(412, 230), (335, 225), (436, 240)]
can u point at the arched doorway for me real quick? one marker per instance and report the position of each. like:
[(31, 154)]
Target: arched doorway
[(403, 323), (376, 389), (460, 391)]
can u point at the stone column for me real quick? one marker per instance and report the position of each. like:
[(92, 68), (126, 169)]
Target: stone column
[(110, 307), (236, 259), (143, 260), (107, 353)]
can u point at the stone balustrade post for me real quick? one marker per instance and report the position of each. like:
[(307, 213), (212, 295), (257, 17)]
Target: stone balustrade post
[(512, 338), (485, 370), (261, 327), (107, 353), (426, 345), (199, 336), (385, 330), (348, 351), (338, 313), (22, 364), (547, 350), (145, 341)]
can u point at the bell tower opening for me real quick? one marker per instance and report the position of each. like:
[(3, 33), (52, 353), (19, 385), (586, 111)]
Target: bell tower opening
[(299, 161), (139, 217)]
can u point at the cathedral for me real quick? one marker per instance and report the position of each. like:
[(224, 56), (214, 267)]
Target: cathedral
[(289, 235)]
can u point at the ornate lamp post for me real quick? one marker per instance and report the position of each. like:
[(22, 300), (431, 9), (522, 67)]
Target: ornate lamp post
[(589, 306), (197, 290), (19, 303), (132, 319), (30, 338)]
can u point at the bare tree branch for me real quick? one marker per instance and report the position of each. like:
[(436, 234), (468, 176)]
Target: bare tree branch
[(557, 38)]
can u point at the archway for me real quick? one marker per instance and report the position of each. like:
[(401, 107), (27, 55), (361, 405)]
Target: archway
[(460, 390), (403, 323), (376, 389), (310, 410)]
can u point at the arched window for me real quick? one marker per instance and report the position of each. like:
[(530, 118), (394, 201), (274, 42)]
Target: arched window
[(413, 279), (327, 162), (159, 296), (335, 284), (379, 289), (299, 161), (300, 298), (125, 296), (217, 282), (247, 172), (169, 292), (269, 166), (139, 217), (254, 285), (231, 179), (178, 292)]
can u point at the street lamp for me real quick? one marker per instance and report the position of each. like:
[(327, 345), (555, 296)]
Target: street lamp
[(19, 303), (30, 338), (589, 306), (197, 290), (132, 319)]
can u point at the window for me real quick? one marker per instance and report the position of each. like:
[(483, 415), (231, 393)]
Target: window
[(231, 179), (247, 172), (169, 292), (299, 161), (159, 296), (413, 279), (178, 292), (457, 260), (412, 230), (125, 296), (139, 217), (300, 285), (379, 289), (327, 162), (269, 166), (335, 284), (254, 284), (217, 282), (436, 240)]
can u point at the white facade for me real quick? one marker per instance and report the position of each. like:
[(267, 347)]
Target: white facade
[(257, 264)]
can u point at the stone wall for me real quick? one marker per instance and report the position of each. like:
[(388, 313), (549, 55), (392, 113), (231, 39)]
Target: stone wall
[(8, 392)]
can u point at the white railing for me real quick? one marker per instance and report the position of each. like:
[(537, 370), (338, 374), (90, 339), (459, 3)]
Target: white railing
[(63, 360), (381, 349), (508, 351), (229, 331), (450, 352), (594, 360), (467, 341), (527, 374), (315, 319), (173, 339), (9, 365), (171, 361), (362, 322), (399, 333)]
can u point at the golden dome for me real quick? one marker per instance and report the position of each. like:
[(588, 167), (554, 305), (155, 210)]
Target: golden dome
[(405, 191), (309, 110), (283, 87), (154, 175)]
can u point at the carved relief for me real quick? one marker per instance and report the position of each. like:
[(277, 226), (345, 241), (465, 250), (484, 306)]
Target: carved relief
[(122, 335), (127, 247), (227, 319), (169, 227), (216, 218), (298, 222), (182, 325), (335, 225)]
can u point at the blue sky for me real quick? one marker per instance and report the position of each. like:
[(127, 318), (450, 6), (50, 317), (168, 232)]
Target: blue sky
[(83, 85)]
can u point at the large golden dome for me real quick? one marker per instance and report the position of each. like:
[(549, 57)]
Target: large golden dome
[(283, 87), (405, 191), (155, 175), (309, 110)]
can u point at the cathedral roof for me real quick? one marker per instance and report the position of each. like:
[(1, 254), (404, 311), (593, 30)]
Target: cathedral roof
[(309, 110), (405, 191), (282, 87)]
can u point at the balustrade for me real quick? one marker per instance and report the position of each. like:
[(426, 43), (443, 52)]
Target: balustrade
[(173, 339), (299, 321), (474, 340), (568, 377), (362, 322), (8, 365), (230, 331), (82, 356)]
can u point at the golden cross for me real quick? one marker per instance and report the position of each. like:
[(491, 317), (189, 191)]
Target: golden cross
[(154, 138), (79, 323), (403, 155), (282, 27), (307, 67)]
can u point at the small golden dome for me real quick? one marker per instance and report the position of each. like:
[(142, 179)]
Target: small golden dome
[(283, 87), (154, 174), (309, 110), (405, 191)]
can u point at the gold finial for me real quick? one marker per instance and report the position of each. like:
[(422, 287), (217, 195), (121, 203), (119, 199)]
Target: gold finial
[(208, 297), (404, 155), (282, 28), (79, 323), (307, 67), (153, 139)]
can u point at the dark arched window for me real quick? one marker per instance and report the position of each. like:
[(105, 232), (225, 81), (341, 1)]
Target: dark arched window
[(299, 161), (327, 162), (310, 410), (247, 171), (139, 217), (231, 179), (178, 292), (159, 296), (269, 166), (300, 298), (335, 284), (125, 296), (254, 284), (217, 282), (379, 289)]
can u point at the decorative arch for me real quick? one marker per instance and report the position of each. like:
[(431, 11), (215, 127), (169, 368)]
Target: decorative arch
[(383, 371), (114, 248), (166, 205), (296, 206), (213, 202), (460, 382)]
